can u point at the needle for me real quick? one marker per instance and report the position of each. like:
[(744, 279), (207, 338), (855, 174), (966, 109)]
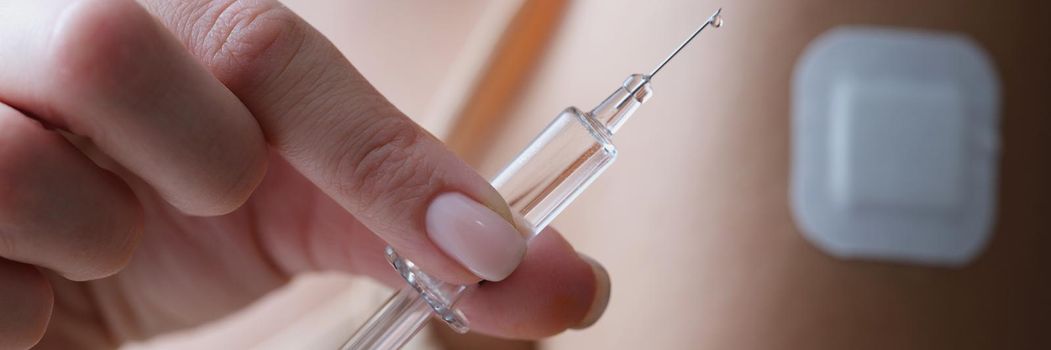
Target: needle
[(716, 20), (542, 162)]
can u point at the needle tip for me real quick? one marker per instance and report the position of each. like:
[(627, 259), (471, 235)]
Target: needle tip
[(716, 19)]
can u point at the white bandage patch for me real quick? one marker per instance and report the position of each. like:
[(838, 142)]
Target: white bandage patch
[(895, 145)]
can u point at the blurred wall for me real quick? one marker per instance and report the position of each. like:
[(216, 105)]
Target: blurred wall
[(693, 220)]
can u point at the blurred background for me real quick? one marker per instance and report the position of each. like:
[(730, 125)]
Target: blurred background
[(693, 222)]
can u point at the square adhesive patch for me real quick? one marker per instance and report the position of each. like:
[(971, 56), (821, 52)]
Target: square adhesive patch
[(895, 145)]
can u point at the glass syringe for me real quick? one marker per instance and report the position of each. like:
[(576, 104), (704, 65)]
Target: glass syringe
[(541, 181)]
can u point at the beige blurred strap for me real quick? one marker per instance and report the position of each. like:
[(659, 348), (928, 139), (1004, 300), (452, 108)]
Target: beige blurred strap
[(508, 68)]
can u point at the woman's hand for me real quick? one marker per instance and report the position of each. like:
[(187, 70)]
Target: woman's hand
[(163, 164)]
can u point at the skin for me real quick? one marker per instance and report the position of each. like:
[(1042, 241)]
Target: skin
[(164, 163), (705, 165)]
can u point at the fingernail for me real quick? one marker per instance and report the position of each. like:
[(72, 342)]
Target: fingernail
[(602, 290), (479, 238)]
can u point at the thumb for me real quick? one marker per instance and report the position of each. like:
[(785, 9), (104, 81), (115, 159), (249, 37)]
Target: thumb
[(338, 131)]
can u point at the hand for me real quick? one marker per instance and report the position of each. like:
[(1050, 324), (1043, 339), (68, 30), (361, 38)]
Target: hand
[(163, 164)]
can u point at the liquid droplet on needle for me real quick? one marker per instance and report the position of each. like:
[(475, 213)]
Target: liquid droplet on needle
[(717, 20)]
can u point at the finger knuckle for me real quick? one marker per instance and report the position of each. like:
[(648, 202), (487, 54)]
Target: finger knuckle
[(384, 167), (26, 203), (237, 33), (100, 235)]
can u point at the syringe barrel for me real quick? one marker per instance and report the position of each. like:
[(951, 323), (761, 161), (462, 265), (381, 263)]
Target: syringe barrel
[(545, 177), (573, 150), (570, 153), (554, 168)]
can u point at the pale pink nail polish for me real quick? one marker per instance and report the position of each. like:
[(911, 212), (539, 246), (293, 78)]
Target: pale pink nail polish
[(479, 238)]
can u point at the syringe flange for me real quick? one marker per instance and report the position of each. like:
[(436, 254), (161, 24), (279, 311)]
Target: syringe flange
[(441, 296)]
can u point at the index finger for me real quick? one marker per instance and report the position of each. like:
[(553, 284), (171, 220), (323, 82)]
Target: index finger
[(338, 131)]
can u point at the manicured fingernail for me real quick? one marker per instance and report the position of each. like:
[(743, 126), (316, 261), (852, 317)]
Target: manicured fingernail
[(479, 238), (602, 289)]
